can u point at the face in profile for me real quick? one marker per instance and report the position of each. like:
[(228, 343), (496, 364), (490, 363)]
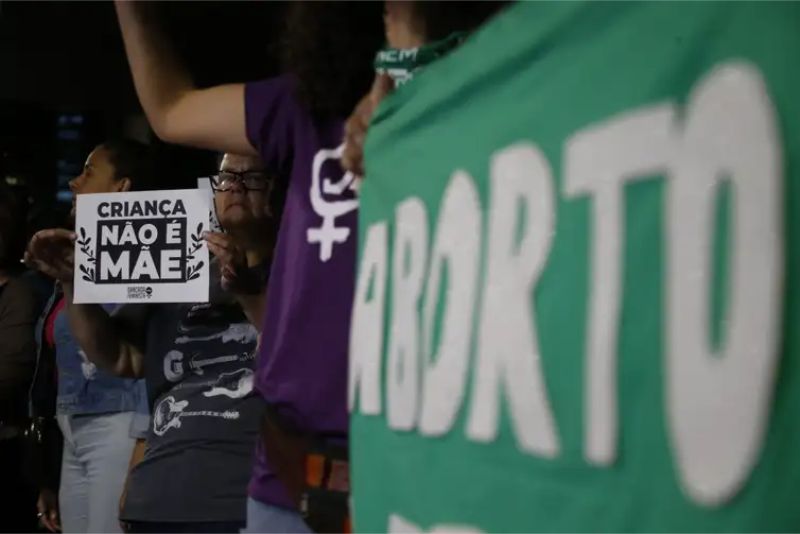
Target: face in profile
[(241, 193), (98, 176)]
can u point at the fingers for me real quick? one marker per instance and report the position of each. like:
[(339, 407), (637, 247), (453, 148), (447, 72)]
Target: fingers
[(56, 233), (50, 521), (48, 512), (357, 124), (29, 262), (354, 135), (228, 272), (223, 247), (52, 252), (222, 254), (352, 155), (381, 86), (47, 269), (51, 237), (217, 238), (218, 244), (54, 520)]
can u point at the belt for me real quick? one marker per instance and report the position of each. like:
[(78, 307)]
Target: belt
[(325, 472)]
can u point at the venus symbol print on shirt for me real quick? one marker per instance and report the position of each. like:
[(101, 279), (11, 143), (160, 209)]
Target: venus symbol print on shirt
[(328, 233)]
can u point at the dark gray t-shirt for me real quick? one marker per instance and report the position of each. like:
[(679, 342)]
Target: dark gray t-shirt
[(205, 415)]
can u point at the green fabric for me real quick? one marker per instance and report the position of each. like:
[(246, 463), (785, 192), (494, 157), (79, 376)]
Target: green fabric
[(541, 72), (402, 64)]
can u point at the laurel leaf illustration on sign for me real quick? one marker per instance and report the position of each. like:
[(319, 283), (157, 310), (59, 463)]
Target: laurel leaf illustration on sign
[(193, 269), (84, 243)]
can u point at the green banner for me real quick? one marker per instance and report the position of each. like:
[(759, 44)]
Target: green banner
[(577, 299)]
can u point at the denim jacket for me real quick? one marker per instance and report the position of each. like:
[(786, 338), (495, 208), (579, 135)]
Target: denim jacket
[(83, 388)]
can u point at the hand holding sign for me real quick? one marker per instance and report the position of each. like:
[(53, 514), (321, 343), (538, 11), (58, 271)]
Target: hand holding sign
[(52, 252), (232, 261), (355, 130), (141, 246)]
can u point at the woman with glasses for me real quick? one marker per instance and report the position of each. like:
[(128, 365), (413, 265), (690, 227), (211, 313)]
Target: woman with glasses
[(243, 195), (198, 360)]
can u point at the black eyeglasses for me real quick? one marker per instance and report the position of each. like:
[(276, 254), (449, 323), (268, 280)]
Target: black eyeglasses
[(250, 180)]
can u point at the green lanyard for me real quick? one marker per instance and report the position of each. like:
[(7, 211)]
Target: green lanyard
[(401, 64)]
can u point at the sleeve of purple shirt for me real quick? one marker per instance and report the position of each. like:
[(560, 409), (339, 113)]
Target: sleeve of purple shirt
[(270, 110)]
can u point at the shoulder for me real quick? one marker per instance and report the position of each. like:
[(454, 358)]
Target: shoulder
[(264, 96), (284, 84), (273, 115)]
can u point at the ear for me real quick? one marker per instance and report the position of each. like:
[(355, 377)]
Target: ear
[(123, 185)]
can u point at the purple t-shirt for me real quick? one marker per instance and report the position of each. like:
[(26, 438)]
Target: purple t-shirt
[(302, 368)]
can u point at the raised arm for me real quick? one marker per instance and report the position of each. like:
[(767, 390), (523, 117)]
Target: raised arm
[(179, 112), (98, 335)]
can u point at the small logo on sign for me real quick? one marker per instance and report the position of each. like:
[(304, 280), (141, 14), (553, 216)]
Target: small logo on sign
[(140, 292)]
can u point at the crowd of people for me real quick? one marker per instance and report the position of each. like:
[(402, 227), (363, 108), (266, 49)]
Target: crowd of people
[(472, 258)]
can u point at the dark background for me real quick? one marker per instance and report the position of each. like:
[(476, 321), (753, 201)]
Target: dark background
[(65, 87)]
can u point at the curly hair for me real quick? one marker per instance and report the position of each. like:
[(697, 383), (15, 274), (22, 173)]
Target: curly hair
[(329, 47)]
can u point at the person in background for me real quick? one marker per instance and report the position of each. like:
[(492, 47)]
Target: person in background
[(197, 360), (17, 360), (294, 122), (100, 415)]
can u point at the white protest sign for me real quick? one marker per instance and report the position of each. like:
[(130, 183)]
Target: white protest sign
[(204, 184), (141, 247)]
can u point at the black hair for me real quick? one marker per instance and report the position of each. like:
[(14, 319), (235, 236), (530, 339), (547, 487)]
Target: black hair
[(440, 19), (330, 47), (131, 159)]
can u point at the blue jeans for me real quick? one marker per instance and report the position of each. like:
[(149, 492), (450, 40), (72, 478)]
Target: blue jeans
[(265, 518), (97, 451)]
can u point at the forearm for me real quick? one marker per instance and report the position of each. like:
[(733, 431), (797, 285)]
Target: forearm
[(97, 335), (179, 112), (160, 77)]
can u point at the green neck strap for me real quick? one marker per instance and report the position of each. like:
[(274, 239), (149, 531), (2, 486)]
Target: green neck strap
[(401, 64)]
